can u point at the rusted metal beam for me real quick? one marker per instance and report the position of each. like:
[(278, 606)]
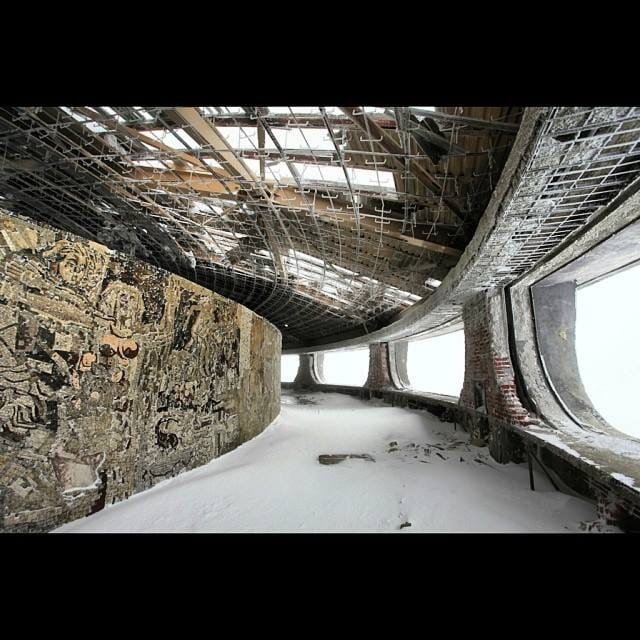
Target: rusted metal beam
[(315, 121), (278, 121), (477, 123)]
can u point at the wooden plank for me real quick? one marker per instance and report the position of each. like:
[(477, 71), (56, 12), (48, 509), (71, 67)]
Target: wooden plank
[(141, 137), (209, 133), (183, 180)]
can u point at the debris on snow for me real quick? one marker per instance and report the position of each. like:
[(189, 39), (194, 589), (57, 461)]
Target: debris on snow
[(335, 458)]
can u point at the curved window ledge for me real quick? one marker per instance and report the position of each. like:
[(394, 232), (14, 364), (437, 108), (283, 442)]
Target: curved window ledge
[(542, 310)]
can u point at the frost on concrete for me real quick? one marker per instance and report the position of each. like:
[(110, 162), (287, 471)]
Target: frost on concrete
[(426, 478)]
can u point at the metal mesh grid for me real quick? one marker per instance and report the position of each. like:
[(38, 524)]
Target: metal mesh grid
[(322, 219), (583, 158)]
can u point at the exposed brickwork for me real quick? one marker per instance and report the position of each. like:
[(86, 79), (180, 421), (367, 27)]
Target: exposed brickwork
[(379, 373), (614, 509), (489, 392)]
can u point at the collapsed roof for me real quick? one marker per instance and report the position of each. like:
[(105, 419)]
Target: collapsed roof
[(328, 221)]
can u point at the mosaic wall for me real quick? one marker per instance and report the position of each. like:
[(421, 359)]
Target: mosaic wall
[(115, 375)]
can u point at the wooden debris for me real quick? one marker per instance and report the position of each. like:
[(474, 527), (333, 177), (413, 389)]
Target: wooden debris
[(335, 458)]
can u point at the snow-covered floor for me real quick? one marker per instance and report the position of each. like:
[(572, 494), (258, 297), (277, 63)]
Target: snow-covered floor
[(432, 478)]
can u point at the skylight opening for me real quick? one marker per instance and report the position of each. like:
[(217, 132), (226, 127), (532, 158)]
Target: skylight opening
[(95, 127), (153, 164), (278, 171), (167, 138), (253, 164), (243, 138), (374, 109), (113, 114), (295, 110), (199, 206), (74, 115), (212, 163), (170, 140), (296, 138), (187, 138), (357, 177)]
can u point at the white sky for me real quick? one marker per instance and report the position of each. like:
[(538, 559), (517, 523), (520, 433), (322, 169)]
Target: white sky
[(288, 368), (340, 367), (608, 347), (437, 364), (346, 367)]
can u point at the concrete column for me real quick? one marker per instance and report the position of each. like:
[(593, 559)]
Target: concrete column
[(489, 399), (309, 371), (398, 364), (555, 314), (380, 376)]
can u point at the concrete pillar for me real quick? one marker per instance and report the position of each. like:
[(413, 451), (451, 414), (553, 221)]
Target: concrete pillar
[(489, 399), (398, 364), (380, 376), (309, 371), (555, 313)]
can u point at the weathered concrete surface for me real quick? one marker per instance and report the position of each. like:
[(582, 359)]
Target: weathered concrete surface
[(555, 311), (115, 375), (398, 352), (309, 371), (610, 458)]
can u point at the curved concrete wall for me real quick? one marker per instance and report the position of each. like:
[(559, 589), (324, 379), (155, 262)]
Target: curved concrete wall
[(115, 375)]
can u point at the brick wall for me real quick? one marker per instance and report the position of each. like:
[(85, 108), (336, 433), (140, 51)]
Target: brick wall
[(615, 509), (488, 396), (379, 376)]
